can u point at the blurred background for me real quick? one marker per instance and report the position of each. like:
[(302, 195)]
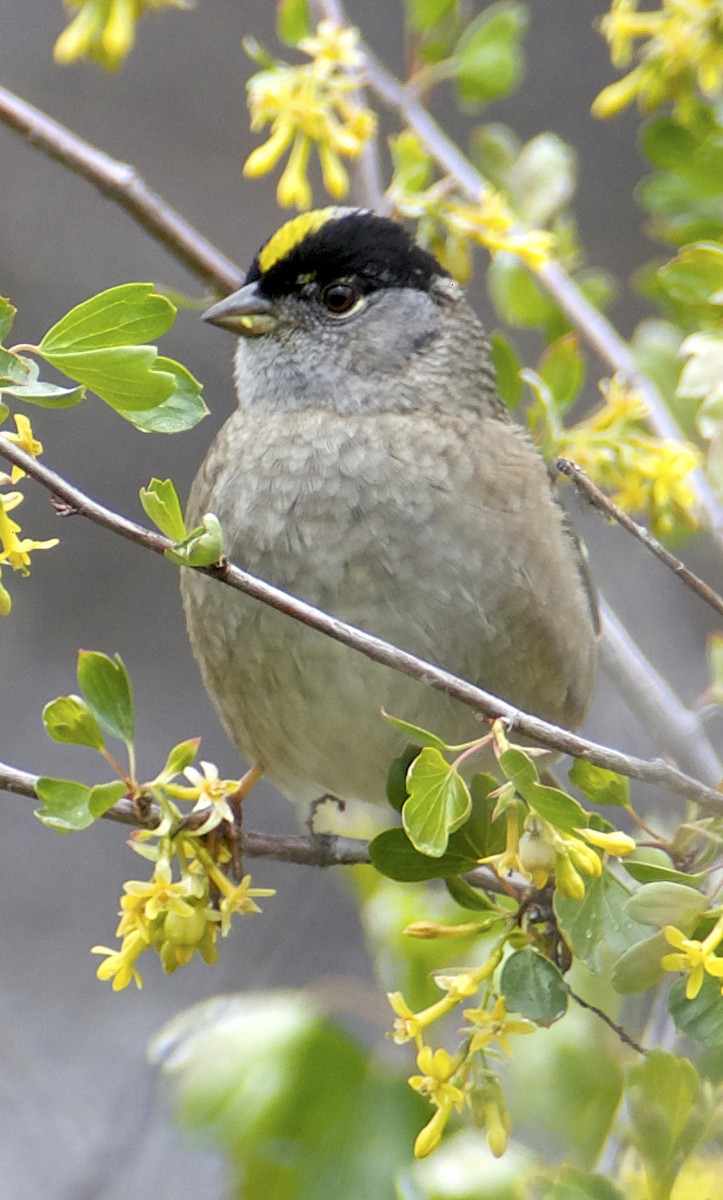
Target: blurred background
[(75, 1090)]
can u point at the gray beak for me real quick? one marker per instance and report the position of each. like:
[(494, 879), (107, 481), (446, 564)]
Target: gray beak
[(246, 312)]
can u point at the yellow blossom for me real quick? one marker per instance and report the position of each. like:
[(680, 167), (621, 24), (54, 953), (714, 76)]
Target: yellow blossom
[(16, 551), (680, 54), (496, 1026), (311, 106), (240, 900), (438, 1069), (6, 602), (697, 958), (119, 965), (104, 30), (25, 440), (208, 791), (616, 842), (410, 1024)]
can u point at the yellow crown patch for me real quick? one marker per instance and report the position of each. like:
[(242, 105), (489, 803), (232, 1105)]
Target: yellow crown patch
[(292, 234)]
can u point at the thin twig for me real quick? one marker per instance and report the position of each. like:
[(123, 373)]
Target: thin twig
[(618, 1029), (594, 327), (121, 182), (551, 736), (606, 506)]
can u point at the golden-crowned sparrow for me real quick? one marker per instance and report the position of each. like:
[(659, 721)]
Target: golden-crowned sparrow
[(371, 469)]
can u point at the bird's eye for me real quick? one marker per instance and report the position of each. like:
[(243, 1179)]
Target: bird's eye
[(340, 298)]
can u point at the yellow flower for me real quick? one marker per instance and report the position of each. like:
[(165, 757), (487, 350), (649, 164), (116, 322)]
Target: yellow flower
[(208, 791), (697, 958), (496, 1026), (119, 965), (104, 30), (410, 1024), (6, 602), (334, 46), (311, 106), (25, 440), (615, 842), (16, 551), (240, 900), (681, 54), (438, 1068)]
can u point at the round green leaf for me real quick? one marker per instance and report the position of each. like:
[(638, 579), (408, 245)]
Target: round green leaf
[(533, 987), (68, 719), (439, 802)]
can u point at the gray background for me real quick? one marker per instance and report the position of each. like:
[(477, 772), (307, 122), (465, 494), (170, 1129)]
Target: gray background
[(75, 1093)]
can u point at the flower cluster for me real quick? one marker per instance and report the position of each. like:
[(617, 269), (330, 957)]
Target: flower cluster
[(679, 59), (15, 551), (104, 30), (311, 106), (452, 1081), (450, 225), (177, 918)]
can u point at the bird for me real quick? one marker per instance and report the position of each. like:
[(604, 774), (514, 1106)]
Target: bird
[(371, 469)]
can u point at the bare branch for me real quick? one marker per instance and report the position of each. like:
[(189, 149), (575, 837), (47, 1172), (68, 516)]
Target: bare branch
[(120, 182), (551, 736)]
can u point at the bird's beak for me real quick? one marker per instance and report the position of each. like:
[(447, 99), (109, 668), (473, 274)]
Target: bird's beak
[(246, 312)]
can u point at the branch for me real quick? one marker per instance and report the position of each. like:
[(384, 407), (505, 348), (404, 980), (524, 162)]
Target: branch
[(321, 851), (120, 182), (551, 736), (594, 327)]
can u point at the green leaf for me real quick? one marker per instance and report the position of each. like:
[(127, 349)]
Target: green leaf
[(70, 806), (202, 547), (121, 316), (4, 412), (397, 777), (519, 300), (293, 21), (294, 1101), (562, 367), (106, 687), (638, 968), (125, 377), (597, 926), (533, 987), (695, 276), (7, 316), (542, 179), (702, 1017), (549, 803), (640, 868), (669, 1110), (393, 855), (600, 785), (489, 60), (46, 395), (68, 719), (14, 369), (161, 504), (507, 370), (439, 802), (180, 757), (182, 410), (421, 737), (661, 904), (467, 896)]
